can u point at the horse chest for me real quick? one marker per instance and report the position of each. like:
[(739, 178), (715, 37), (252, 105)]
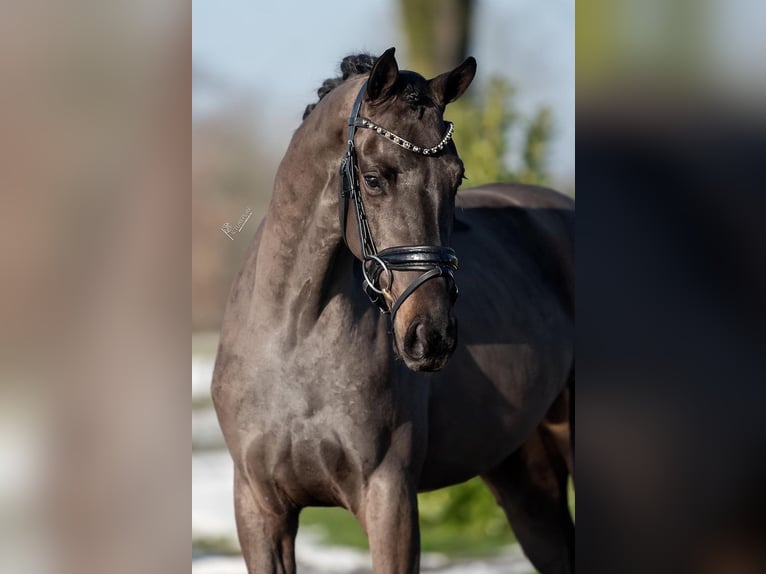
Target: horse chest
[(320, 446), (321, 424)]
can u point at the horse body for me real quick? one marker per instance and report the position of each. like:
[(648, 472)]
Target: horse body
[(317, 409), (516, 329)]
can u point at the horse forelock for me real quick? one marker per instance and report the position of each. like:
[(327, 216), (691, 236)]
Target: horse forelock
[(414, 90)]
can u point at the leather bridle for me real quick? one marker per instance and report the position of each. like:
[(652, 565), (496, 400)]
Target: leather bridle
[(434, 260)]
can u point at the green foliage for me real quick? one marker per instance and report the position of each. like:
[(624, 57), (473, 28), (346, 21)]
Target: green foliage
[(464, 519), (338, 526), (484, 125), (536, 147), (481, 131)]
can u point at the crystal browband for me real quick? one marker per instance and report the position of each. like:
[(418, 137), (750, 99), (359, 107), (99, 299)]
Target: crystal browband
[(401, 142)]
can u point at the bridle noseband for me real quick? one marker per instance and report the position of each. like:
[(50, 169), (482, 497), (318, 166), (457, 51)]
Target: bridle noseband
[(433, 260)]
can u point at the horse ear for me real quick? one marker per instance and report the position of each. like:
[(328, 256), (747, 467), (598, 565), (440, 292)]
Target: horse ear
[(450, 86), (382, 76)]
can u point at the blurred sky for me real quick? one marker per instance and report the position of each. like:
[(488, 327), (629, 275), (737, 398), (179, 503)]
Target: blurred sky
[(278, 53)]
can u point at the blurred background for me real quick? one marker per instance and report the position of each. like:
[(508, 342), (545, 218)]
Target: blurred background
[(95, 153), (255, 68)]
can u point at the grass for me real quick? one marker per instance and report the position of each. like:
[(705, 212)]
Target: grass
[(463, 520)]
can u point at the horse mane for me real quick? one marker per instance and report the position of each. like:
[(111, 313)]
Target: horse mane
[(350, 66)]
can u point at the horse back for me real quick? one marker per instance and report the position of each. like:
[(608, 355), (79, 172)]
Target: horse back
[(527, 219)]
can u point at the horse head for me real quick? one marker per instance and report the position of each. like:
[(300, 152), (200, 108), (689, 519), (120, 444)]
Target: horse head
[(401, 173)]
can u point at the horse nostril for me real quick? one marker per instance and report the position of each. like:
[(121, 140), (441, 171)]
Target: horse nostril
[(415, 340)]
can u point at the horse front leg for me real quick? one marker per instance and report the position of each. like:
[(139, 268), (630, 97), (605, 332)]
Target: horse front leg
[(267, 538), (390, 517)]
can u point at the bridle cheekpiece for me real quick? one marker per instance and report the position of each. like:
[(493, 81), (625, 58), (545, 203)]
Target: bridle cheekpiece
[(433, 260)]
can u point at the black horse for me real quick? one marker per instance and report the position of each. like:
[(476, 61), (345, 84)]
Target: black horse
[(320, 407)]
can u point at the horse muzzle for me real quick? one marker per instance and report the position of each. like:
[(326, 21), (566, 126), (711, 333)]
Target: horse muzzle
[(428, 344), (431, 334)]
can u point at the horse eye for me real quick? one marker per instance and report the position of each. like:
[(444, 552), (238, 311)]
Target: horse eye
[(372, 181)]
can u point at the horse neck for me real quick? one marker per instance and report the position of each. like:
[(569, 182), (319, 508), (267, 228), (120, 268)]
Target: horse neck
[(302, 253)]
